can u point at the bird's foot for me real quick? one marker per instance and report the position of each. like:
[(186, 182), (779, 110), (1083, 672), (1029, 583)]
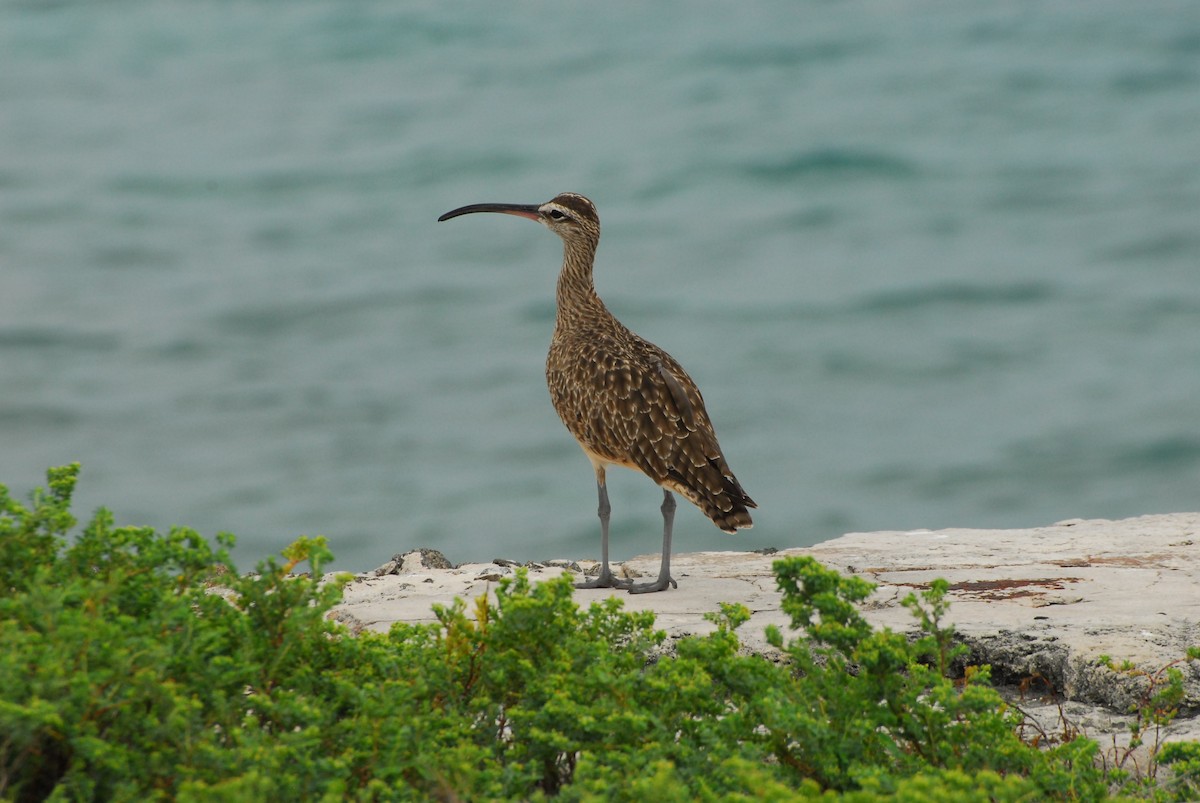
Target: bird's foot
[(660, 584), (606, 579)]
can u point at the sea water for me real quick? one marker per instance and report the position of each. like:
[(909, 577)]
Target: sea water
[(932, 263)]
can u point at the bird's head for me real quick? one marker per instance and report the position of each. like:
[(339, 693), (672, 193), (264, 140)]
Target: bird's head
[(569, 215)]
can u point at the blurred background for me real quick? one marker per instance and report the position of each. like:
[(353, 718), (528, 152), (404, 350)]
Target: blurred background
[(932, 263)]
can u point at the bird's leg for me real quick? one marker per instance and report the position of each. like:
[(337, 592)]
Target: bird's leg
[(664, 571), (605, 579)]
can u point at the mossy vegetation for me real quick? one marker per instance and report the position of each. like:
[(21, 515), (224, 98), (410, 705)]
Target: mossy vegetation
[(139, 666)]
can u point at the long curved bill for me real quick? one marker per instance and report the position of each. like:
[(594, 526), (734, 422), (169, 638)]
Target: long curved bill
[(523, 210)]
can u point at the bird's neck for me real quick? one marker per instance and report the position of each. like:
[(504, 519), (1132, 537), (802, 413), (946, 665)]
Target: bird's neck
[(576, 294)]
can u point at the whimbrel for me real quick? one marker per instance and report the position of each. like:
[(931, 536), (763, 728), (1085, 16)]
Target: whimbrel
[(625, 400)]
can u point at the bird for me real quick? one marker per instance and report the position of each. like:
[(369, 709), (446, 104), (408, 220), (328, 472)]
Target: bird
[(626, 401)]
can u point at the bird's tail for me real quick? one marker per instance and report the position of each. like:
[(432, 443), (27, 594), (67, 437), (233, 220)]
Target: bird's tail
[(733, 520), (737, 517), (720, 497)]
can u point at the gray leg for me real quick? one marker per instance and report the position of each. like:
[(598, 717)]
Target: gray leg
[(664, 570), (605, 578)]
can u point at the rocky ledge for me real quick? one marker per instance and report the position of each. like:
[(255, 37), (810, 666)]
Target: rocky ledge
[(1039, 605)]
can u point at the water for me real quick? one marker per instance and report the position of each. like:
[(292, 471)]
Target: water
[(933, 264)]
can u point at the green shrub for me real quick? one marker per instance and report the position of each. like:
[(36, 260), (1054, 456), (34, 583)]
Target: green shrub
[(141, 666), (869, 705)]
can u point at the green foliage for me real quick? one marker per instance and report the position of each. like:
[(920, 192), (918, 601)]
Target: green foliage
[(870, 708), (140, 666), (125, 678), (1184, 760), (1157, 705)]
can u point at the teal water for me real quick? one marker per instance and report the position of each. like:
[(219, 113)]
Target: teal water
[(932, 263)]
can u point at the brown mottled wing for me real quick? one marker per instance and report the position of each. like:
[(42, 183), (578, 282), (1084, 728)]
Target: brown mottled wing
[(695, 466), (643, 411)]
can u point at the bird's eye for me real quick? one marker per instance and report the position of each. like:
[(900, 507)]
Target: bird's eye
[(556, 215)]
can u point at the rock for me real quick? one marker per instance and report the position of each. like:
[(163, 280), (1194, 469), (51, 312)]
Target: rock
[(492, 574), (1052, 599), (414, 561), (1040, 605), (391, 567), (570, 565)]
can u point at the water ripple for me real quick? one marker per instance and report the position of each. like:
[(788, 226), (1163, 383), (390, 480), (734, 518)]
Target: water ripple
[(832, 163)]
